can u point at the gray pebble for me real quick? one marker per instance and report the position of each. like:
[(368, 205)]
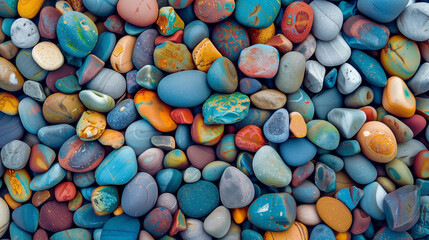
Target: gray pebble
[(194, 230), (168, 201), (233, 232), (191, 175), (109, 82), (408, 150), (31, 139), (314, 75), (235, 188), (15, 154), (334, 52), (307, 47), (420, 82), (291, 72), (328, 20), (413, 22), (348, 79), (34, 90), (24, 33), (218, 222)]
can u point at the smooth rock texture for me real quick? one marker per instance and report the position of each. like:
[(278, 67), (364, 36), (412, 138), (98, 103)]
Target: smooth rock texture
[(402, 208), (259, 61), (348, 121), (218, 222), (291, 72), (334, 52), (348, 79), (235, 189), (328, 20), (15, 155), (360, 169), (323, 134), (270, 169), (412, 22), (314, 75), (139, 195)]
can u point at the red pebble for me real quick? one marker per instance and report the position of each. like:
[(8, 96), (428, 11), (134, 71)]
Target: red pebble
[(182, 116), (230, 129), (417, 123), (65, 191), (40, 234), (176, 38), (301, 173), (421, 164), (361, 221), (250, 138), (370, 112), (281, 43), (297, 21)]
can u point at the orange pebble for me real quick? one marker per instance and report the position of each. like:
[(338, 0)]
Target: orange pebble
[(281, 43), (76, 202), (334, 213), (11, 202), (297, 125), (91, 125), (370, 112), (122, 53), (118, 211), (40, 197), (8, 103), (239, 214), (65, 191), (297, 231), (343, 236), (204, 54), (112, 138), (176, 38), (398, 99), (182, 116), (261, 35)]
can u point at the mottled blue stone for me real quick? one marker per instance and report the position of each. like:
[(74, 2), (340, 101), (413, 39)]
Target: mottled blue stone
[(47, 180), (306, 192), (143, 48), (132, 85), (350, 196), (84, 179), (85, 217), (369, 68), (117, 168), (370, 35), (322, 232), (122, 115), (198, 199), (249, 85), (360, 169), (330, 78), (249, 234), (257, 14), (31, 115), (297, 151), (169, 180), (225, 108), (332, 161), (10, 128)]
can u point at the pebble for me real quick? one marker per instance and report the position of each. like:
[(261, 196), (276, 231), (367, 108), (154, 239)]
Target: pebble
[(321, 231), (109, 82), (270, 169), (314, 75), (268, 99), (135, 13), (15, 155), (148, 77), (401, 131), (334, 213), (55, 217), (369, 68), (326, 28), (291, 72), (122, 226), (362, 33), (360, 169), (218, 222), (325, 178), (348, 79), (173, 57), (371, 9), (235, 189), (276, 128), (24, 60), (306, 192), (5, 217), (348, 121), (26, 217), (399, 173), (297, 21), (263, 18), (158, 222), (410, 22), (24, 33), (333, 52), (142, 186), (372, 201), (323, 134), (117, 168), (194, 230), (259, 61), (350, 196), (10, 78), (198, 199)]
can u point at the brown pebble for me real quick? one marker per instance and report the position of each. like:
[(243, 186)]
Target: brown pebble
[(361, 221), (268, 99), (55, 217), (40, 234), (334, 213)]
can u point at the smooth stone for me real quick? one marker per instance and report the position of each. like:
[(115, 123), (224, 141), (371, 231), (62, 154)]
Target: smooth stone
[(325, 101), (412, 22), (419, 82), (270, 169), (262, 18), (169, 180), (276, 128), (420, 163), (222, 76), (297, 151), (194, 230), (132, 86), (235, 188), (334, 52), (55, 217), (89, 69), (183, 136), (301, 173), (314, 76), (10, 78), (68, 84), (350, 196), (194, 33), (204, 54), (218, 110), (176, 159), (361, 222), (372, 201), (5, 217), (101, 8), (348, 79), (148, 77), (348, 121), (273, 212), (323, 134), (230, 38), (10, 8), (191, 175), (297, 21), (168, 201), (297, 125), (255, 116), (398, 99), (369, 68), (15, 155), (206, 134), (300, 102), (361, 97), (143, 48), (307, 214), (362, 33), (24, 33), (17, 233), (96, 101), (259, 61), (173, 57), (348, 148), (34, 90), (55, 136), (324, 178), (332, 161), (122, 115), (121, 227), (399, 172), (306, 192), (402, 208), (91, 125), (86, 217), (401, 131), (138, 135), (218, 222), (416, 123), (199, 156), (105, 44), (169, 22), (117, 168), (331, 78), (61, 108), (386, 233), (407, 151), (28, 67), (321, 232), (381, 11), (77, 233), (214, 170), (249, 234), (31, 115), (268, 99), (48, 56), (334, 213), (291, 72), (326, 28), (158, 222), (198, 199), (360, 169), (83, 180), (105, 200), (50, 178), (109, 82), (26, 217), (122, 53), (226, 149)]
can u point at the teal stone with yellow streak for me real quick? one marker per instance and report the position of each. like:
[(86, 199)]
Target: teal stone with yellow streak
[(18, 184), (273, 212), (225, 108), (8, 8), (97, 101), (104, 200), (169, 21), (68, 84), (77, 34), (323, 134), (255, 13), (244, 163), (214, 170), (176, 159), (399, 172), (74, 233)]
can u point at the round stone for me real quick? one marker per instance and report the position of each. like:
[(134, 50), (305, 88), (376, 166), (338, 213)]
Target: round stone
[(198, 199), (24, 33)]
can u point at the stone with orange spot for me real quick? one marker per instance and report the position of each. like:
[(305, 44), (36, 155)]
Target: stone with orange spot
[(259, 61), (182, 116), (239, 214), (62, 108), (178, 224), (204, 134), (297, 125), (118, 211), (250, 138), (377, 141), (370, 112), (173, 57), (297, 21), (261, 35), (281, 43), (296, 231), (41, 158), (421, 164), (18, 184), (8, 103), (169, 21), (11, 202), (177, 37), (334, 213), (157, 113), (204, 54), (398, 99), (91, 125), (343, 236), (122, 54), (112, 138), (10, 78)]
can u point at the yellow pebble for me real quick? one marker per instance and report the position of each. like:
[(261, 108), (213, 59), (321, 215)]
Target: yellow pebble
[(297, 231), (204, 54), (239, 214), (8, 103), (91, 125), (63, 7), (29, 8), (112, 138), (261, 35), (11, 202), (118, 211)]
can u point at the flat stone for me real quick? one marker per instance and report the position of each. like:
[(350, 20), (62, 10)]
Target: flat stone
[(328, 20), (15, 155), (34, 90), (412, 22), (235, 188), (291, 72)]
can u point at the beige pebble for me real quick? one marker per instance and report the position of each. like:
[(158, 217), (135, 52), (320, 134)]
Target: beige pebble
[(48, 56), (307, 214)]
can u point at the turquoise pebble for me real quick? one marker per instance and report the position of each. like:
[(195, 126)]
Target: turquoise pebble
[(273, 212), (31, 115), (194, 33), (246, 14), (28, 67), (370, 232), (9, 8), (76, 33), (244, 163), (214, 170), (382, 10), (297, 151), (117, 168), (386, 233), (225, 108), (358, 237), (84, 179), (149, 77), (184, 89), (17, 233), (306, 192), (191, 175), (68, 84), (123, 115), (249, 234), (26, 217), (322, 232), (138, 135), (373, 192), (325, 101), (183, 136), (332, 161), (133, 30), (249, 85), (87, 192), (230, 38), (300, 102), (187, 14), (47, 180), (169, 180), (270, 169), (255, 116), (74, 233), (55, 136), (421, 229), (85, 217), (198, 199), (348, 148), (6, 25), (121, 227), (101, 8), (350, 196), (360, 169), (105, 44), (423, 186), (348, 8), (325, 178), (96, 235), (378, 94), (323, 134), (71, 60), (276, 128), (222, 76), (369, 68), (226, 149), (96, 101), (330, 78)]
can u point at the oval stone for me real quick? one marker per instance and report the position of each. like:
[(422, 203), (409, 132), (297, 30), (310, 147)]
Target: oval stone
[(297, 21), (109, 82), (291, 72), (297, 151), (328, 207), (235, 188), (360, 169), (362, 33), (259, 61), (62, 108), (139, 195), (18, 184), (323, 134), (117, 168), (270, 169), (31, 115), (225, 108), (230, 38), (198, 199), (256, 14)]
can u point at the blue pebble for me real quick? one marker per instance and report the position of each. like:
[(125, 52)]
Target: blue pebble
[(117, 168), (6, 25), (87, 192), (245, 12), (101, 8), (249, 85), (121, 227), (370, 232), (74, 233), (325, 101), (138, 135), (17, 233), (382, 10), (26, 217), (348, 148), (369, 201), (85, 217), (322, 232), (54, 136), (198, 199), (194, 33), (249, 234), (133, 30), (28, 67), (423, 185), (332, 161), (10, 128), (350, 196), (187, 14), (360, 169), (105, 44), (276, 128), (183, 136), (132, 85), (96, 235), (306, 192), (330, 78), (369, 68), (84, 179), (348, 8), (47, 180), (255, 116), (122, 115), (169, 180), (31, 115), (358, 237), (297, 151), (378, 94)]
